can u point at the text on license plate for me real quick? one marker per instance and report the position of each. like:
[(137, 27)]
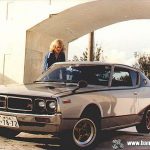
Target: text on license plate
[(9, 121)]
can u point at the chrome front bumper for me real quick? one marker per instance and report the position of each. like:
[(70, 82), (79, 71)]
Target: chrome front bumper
[(36, 123)]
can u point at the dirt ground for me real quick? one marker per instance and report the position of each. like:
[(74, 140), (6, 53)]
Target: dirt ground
[(25, 141)]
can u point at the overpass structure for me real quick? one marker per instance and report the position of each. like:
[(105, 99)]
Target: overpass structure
[(76, 22)]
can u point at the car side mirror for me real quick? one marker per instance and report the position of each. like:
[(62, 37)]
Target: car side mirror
[(81, 84)]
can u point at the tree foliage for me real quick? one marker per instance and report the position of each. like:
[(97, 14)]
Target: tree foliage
[(142, 62), (97, 55)]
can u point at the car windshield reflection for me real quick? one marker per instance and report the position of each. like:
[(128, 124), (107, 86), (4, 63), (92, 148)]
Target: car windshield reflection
[(92, 74)]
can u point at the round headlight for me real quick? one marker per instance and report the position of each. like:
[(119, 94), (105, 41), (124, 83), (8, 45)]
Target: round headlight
[(52, 105), (41, 104)]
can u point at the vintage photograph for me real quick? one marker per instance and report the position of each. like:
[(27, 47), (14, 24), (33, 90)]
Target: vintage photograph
[(74, 75)]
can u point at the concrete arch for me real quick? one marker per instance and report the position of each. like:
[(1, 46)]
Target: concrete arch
[(75, 22)]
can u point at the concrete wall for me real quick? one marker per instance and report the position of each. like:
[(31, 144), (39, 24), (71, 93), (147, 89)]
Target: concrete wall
[(36, 45)]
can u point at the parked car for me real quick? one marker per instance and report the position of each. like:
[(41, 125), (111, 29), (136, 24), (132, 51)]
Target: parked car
[(78, 98)]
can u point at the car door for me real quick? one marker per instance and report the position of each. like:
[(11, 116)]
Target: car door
[(124, 90)]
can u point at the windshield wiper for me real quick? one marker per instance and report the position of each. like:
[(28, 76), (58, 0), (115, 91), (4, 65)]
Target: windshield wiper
[(71, 84)]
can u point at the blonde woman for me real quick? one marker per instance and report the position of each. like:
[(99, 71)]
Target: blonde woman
[(55, 54)]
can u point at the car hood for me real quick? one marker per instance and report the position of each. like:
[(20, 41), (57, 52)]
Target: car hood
[(33, 89), (42, 89)]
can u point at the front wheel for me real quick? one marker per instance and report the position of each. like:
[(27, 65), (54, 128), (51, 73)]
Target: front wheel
[(144, 126), (83, 135), (84, 132)]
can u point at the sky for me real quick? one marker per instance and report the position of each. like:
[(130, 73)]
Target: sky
[(119, 41)]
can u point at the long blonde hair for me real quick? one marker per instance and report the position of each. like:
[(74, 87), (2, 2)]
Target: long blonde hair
[(56, 42)]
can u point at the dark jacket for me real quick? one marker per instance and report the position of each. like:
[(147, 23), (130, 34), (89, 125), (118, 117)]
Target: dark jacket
[(50, 59)]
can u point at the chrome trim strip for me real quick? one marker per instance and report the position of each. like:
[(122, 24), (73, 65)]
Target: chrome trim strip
[(58, 110), (28, 115), (120, 126)]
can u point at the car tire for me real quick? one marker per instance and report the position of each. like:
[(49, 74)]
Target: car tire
[(83, 136), (85, 133), (8, 133), (144, 126)]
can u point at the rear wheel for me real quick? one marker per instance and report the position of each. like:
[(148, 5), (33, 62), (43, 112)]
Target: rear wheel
[(144, 126)]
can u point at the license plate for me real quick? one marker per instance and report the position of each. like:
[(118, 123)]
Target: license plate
[(8, 121)]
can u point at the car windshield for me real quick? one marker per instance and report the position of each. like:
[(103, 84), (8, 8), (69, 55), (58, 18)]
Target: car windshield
[(92, 74)]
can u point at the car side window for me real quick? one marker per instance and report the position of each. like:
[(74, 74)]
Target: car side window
[(121, 77), (94, 75)]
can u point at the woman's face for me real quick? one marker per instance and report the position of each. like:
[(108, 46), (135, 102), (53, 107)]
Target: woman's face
[(58, 49)]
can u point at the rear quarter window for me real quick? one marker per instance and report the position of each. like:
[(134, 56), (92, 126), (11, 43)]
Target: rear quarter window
[(124, 77)]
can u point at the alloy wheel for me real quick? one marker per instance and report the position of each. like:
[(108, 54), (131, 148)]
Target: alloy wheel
[(84, 132)]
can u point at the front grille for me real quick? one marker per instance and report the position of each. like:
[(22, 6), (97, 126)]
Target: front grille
[(26, 104), (19, 103), (3, 100)]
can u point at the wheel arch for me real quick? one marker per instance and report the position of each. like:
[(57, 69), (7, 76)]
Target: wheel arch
[(92, 110), (144, 110)]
